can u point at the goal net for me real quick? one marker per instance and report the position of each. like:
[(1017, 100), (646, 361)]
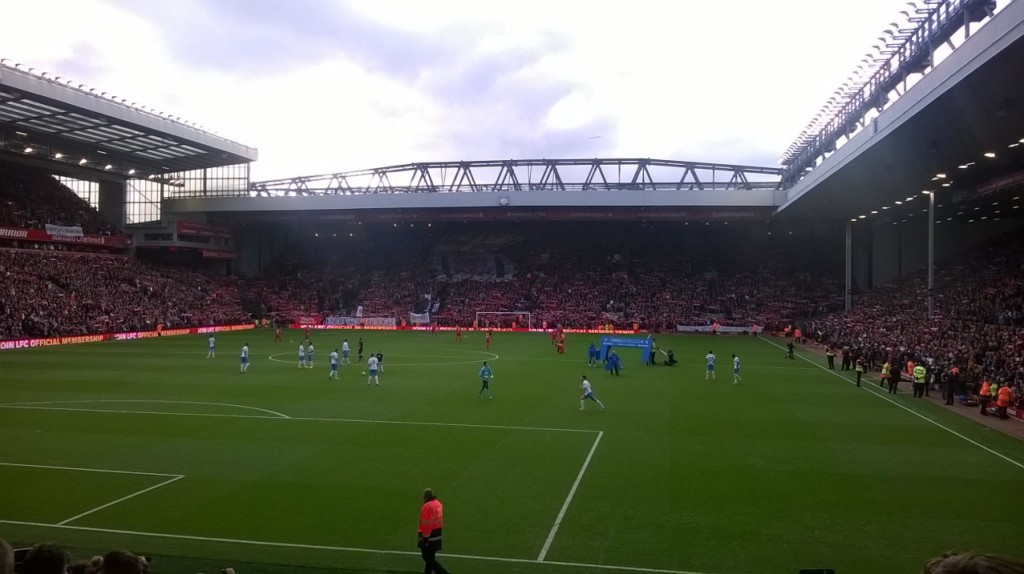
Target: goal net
[(503, 319)]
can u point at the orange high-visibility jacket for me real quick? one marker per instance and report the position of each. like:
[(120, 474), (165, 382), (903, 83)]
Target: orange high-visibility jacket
[(1004, 396), (431, 517)]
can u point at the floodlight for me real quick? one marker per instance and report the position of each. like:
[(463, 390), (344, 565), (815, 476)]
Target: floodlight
[(990, 154), (58, 155), (83, 161), (29, 150)]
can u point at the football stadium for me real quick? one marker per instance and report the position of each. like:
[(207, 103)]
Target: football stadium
[(563, 365)]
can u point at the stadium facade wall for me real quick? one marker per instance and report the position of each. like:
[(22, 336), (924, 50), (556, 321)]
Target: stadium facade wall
[(112, 202), (897, 250), (258, 245)]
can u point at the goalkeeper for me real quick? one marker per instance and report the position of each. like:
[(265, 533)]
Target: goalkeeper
[(485, 376)]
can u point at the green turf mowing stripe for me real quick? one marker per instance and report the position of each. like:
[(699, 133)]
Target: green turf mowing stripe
[(871, 389)]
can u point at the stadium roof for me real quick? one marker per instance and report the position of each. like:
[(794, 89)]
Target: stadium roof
[(66, 127), (958, 132)]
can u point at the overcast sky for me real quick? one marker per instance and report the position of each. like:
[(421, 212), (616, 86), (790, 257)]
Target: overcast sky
[(320, 86)]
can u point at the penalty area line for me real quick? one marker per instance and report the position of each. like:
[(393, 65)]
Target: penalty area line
[(568, 499), (875, 393), (119, 500), (298, 419), (607, 567)]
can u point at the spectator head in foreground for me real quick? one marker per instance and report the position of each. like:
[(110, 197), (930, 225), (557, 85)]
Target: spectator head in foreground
[(123, 562), (90, 566), (6, 558), (46, 558), (973, 563)]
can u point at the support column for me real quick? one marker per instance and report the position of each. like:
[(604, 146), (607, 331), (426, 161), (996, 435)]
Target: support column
[(848, 297), (931, 254), (112, 201)]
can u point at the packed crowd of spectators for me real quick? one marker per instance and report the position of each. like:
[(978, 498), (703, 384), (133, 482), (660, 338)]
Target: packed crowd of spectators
[(593, 277), (51, 293), (31, 200), (976, 325)]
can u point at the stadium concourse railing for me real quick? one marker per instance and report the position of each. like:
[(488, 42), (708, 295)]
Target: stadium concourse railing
[(36, 342)]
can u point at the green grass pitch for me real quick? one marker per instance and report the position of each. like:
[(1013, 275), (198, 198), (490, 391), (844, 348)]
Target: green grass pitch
[(150, 446)]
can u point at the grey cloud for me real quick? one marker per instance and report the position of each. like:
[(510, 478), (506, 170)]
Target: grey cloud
[(245, 37), (497, 108), (470, 78), (494, 104)]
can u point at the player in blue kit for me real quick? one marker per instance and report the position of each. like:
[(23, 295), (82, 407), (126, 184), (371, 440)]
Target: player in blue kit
[(302, 355), (309, 355), (710, 372), (485, 375), (209, 347), (735, 369), (344, 353)]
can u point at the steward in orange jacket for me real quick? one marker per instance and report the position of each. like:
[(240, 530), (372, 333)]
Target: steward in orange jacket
[(429, 533), (984, 396)]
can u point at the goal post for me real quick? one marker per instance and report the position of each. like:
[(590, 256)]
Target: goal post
[(503, 319)]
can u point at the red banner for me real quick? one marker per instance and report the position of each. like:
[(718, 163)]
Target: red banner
[(11, 344), (115, 242), (201, 229), (218, 254)]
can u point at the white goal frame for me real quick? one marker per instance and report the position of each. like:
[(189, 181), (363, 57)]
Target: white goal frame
[(481, 316)]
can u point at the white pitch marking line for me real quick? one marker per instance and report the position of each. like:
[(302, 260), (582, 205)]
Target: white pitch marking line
[(568, 499), (871, 390), (122, 499), (94, 401), (493, 357), (346, 549), (312, 419), (85, 469)]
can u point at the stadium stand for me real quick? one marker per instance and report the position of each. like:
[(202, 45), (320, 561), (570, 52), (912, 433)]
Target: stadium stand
[(595, 277), (977, 325), (52, 293), (31, 200)]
